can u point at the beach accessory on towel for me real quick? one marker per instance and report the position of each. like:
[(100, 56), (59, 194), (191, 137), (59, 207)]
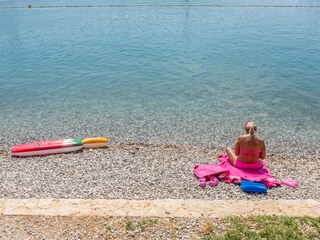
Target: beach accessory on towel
[(222, 176), (234, 179), (213, 181), (202, 182), (271, 182), (249, 186), (290, 182)]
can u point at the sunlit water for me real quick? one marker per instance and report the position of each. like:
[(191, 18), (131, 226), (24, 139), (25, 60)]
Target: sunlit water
[(161, 74)]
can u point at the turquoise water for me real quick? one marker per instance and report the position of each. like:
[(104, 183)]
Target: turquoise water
[(156, 2), (161, 74), (133, 2)]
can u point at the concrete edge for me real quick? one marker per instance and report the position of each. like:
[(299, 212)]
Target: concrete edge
[(158, 208)]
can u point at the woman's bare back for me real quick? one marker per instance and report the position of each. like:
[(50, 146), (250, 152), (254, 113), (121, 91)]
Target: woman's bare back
[(250, 144)]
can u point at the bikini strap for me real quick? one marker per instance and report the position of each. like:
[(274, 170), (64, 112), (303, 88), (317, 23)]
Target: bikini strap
[(249, 152)]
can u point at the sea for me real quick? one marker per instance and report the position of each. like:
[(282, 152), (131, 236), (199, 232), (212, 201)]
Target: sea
[(161, 72)]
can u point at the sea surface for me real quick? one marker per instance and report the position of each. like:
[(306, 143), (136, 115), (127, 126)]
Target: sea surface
[(168, 72)]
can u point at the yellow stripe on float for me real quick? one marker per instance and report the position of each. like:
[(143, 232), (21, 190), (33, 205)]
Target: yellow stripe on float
[(95, 140)]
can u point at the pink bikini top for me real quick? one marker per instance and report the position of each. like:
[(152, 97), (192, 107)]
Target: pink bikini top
[(249, 152)]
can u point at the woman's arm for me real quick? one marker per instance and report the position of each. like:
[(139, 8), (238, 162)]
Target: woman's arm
[(237, 147), (263, 151)]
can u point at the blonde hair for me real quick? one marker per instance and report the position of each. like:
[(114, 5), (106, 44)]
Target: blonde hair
[(251, 127)]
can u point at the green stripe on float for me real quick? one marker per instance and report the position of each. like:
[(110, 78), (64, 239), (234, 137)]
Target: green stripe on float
[(77, 141)]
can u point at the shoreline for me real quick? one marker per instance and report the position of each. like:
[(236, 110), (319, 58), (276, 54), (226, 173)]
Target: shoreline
[(5, 150)]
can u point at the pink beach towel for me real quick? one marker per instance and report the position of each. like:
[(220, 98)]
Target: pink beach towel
[(233, 174), (208, 170)]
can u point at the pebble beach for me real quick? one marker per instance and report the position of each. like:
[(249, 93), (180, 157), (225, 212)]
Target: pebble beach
[(142, 171)]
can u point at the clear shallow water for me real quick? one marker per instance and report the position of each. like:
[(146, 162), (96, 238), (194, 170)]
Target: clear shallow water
[(161, 74)]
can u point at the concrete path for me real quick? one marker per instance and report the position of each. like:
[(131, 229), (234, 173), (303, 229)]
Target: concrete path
[(158, 208)]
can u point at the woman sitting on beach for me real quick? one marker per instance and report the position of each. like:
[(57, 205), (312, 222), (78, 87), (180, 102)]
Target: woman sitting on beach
[(250, 149)]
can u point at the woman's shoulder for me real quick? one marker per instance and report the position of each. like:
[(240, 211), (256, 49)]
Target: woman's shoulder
[(247, 137), (260, 138), (243, 136)]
